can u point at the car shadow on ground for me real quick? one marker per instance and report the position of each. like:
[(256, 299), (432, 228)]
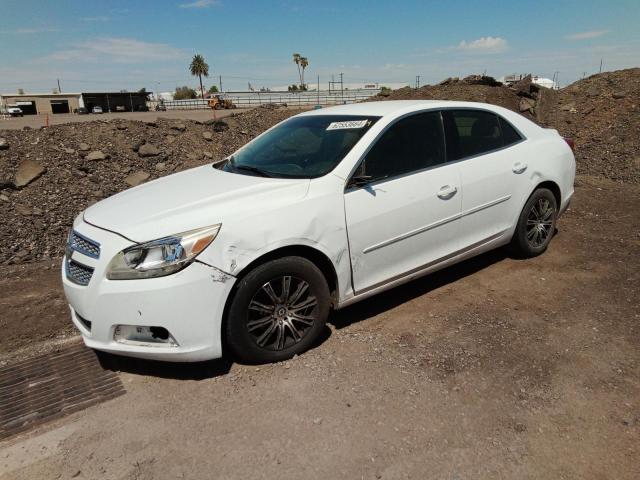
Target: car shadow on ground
[(389, 299), (340, 319), (169, 370)]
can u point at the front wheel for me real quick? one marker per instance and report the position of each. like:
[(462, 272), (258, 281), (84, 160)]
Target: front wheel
[(536, 225), (279, 310)]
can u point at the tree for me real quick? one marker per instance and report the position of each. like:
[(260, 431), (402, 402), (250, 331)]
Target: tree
[(296, 60), (199, 68), (213, 89), (293, 88), (143, 91), (184, 93), (304, 63)]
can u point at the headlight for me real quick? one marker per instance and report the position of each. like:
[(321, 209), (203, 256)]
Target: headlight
[(161, 257)]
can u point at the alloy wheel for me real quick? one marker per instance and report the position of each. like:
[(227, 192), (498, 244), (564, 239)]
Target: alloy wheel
[(281, 313), (540, 222)]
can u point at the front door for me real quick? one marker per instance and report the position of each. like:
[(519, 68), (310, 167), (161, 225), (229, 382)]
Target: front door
[(403, 203)]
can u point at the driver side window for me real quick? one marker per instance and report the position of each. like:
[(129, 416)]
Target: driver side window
[(411, 144)]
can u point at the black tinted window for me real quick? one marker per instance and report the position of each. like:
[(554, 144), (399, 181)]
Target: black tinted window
[(411, 144), (509, 134), (471, 132)]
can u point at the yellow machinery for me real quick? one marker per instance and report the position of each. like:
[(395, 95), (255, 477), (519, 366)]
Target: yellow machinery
[(218, 102)]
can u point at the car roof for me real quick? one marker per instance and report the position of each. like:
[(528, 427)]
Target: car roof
[(395, 107)]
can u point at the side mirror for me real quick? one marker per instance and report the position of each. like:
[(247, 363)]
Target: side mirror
[(359, 181)]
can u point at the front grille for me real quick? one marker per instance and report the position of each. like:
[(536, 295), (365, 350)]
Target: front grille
[(78, 273), (84, 245)]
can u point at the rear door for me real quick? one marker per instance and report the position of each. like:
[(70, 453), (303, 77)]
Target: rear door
[(490, 170), (403, 203)]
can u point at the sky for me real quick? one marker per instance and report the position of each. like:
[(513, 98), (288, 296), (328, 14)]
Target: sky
[(115, 45)]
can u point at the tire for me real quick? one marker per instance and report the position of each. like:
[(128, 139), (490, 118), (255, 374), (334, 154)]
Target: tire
[(264, 324), (536, 224)]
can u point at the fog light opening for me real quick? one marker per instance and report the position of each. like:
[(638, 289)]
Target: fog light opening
[(144, 336), (160, 333)]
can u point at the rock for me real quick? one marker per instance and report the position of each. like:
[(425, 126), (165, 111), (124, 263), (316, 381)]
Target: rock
[(4, 145), (83, 147), (121, 126), (148, 150), (207, 154), (4, 198), (220, 126), (23, 210), (26, 127), (96, 155), (69, 151), (136, 146), (28, 171), (317, 421), (169, 139), (151, 123), (136, 178), (526, 104), (568, 107), (161, 166), (180, 127), (618, 95), (207, 136)]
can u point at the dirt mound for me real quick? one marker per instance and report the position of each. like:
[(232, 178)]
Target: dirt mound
[(49, 175), (601, 113)]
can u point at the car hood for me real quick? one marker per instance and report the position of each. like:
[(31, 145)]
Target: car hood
[(191, 199)]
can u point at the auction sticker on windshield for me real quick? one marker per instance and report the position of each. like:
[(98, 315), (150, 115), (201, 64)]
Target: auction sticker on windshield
[(347, 125)]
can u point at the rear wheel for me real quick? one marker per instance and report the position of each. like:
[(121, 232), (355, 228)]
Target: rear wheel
[(536, 225), (278, 311)]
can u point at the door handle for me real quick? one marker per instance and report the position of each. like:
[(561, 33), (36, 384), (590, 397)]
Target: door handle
[(519, 167), (447, 192)]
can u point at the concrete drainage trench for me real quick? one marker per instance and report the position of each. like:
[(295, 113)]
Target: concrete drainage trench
[(47, 387)]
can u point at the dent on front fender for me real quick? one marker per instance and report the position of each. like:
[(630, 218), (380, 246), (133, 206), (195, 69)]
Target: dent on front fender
[(316, 222)]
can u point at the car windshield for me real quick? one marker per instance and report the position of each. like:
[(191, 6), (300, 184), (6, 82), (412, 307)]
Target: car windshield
[(302, 147)]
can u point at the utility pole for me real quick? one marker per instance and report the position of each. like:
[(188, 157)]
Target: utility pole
[(341, 87), (600, 66), (59, 90), (417, 82), (220, 79), (318, 89)]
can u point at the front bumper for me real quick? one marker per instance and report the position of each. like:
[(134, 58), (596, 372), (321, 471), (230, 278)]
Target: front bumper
[(189, 304)]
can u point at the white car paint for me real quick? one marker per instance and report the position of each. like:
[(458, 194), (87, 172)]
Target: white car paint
[(374, 237)]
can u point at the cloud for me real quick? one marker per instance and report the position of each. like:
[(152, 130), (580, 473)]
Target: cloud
[(586, 35), (484, 45), (201, 4), (118, 50), (33, 30), (99, 18)]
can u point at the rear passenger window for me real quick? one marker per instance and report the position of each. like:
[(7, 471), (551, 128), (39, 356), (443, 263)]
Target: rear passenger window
[(471, 132), (509, 134), (411, 144)]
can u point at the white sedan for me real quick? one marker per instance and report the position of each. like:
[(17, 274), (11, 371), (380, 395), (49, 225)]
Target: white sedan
[(250, 255)]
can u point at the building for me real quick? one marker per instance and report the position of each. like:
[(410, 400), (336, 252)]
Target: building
[(35, 103), (116, 101), (52, 103)]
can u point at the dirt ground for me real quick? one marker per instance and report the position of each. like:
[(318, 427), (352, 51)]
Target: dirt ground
[(34, 121), (495, 368)]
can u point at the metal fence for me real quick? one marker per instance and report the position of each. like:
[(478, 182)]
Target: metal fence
[(252, 99)]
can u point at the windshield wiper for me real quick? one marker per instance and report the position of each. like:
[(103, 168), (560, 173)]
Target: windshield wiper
[(248, 168)]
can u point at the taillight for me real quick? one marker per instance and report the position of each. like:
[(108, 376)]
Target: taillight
[(571, 143)]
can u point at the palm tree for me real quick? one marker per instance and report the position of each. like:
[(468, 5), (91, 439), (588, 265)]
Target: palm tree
[(199, 68), (304, 63), (296, 60)]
